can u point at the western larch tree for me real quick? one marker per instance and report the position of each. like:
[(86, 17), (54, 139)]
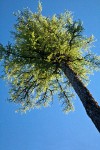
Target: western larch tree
[(50, 56)]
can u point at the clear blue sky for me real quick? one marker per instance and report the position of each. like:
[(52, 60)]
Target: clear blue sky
[(49, 128)]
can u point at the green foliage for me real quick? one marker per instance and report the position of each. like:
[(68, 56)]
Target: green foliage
[(33, 63)]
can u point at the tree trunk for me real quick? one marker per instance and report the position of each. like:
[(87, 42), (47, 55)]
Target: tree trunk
[(91, 106)]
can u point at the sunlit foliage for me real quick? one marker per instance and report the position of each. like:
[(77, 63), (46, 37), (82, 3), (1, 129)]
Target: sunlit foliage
[(32, 64)]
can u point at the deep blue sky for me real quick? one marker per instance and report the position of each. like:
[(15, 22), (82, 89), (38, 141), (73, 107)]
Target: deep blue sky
[(49, 128)]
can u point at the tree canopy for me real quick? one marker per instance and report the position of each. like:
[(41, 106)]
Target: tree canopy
[(32, 63)]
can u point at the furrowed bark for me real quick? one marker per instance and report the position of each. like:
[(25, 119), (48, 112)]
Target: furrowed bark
[(91, 106)]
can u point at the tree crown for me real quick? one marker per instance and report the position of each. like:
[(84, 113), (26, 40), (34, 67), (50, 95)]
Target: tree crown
[(33, 63)]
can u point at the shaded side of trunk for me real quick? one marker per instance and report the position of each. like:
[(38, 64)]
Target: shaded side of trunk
[(91, 106)]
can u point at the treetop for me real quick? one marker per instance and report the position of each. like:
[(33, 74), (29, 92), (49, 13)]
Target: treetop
[(32, 64)]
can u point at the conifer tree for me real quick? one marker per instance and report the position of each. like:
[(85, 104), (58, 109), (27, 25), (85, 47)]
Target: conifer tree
[(50, 55)]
